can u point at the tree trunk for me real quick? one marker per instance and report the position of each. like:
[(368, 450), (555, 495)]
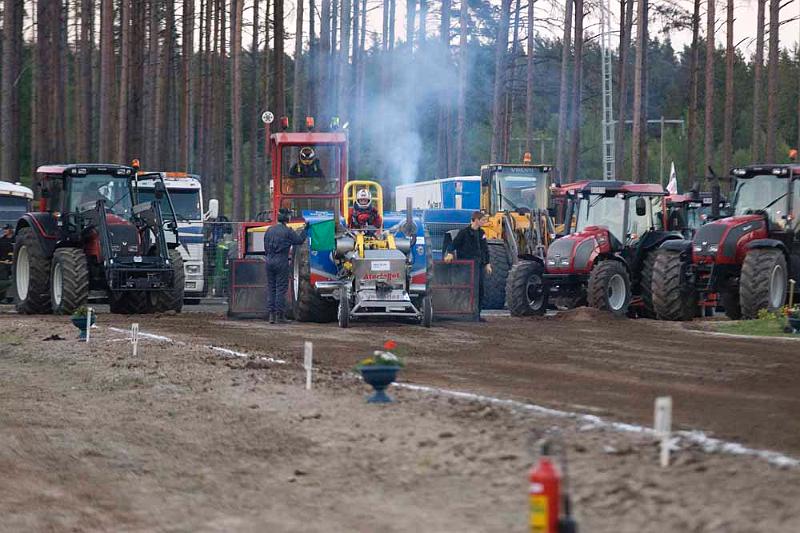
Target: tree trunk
[(344, 59), (265, 196), (511, 84), (151, 135), (442, 159), (255, 109), (85, 47), (297, 77), (708, 126), (164, 102), (392, 19), (577, 77), (186, 130), (9, 93), (772, 81), (107, 80), (529, 81), (236, 106), (138, 44), (220, 130), (501, 51), (727, 142), (279, 88), (463, 65), (324, 61), (423, 22), (694, 89), (639, 141), (411, 15), (626, 28), (563, 94), (758, 84), (124, 81)]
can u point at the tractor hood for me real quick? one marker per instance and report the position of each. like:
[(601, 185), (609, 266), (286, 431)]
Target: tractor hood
[(576, 252), (724, 241)]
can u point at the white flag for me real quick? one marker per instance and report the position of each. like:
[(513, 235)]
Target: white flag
[(672, 186)]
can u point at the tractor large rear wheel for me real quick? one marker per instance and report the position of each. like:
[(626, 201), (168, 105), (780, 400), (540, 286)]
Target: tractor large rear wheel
[(172, 298), (69, 281), (526, 293), (307, 304), (610, 287), (763, 282), (494, 284), (673, 297), (31, 274)]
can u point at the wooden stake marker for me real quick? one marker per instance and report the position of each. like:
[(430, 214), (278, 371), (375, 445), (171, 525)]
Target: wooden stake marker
[(663, 425), (135, 338), (308, 361)]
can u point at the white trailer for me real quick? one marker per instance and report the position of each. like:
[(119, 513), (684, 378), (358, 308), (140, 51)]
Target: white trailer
[(459, 192), (186, 194)]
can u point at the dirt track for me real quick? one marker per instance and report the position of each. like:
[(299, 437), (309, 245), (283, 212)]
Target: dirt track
[(183, 439), (738, 389)]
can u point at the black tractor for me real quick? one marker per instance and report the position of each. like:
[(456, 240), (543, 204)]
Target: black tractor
[(92, 238)]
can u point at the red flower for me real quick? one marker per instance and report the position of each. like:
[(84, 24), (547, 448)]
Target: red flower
[(389, 345)]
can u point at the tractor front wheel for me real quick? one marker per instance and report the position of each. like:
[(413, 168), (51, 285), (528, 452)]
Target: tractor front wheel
[(343, 311), (525, 289), (494, 284), (69, 281), (673, 297), (31, 274), (610, 287), (729, 298), (646, 283), (763, 282), (172, 298)]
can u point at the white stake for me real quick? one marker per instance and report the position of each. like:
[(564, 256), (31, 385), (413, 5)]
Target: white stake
[(663, 425), (135, 338), (88, 323), (308, 361)]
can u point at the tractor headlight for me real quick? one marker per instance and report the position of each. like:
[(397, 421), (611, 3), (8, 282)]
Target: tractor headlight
[(713, 248), (563, 262), (551, 262), (697, 248)]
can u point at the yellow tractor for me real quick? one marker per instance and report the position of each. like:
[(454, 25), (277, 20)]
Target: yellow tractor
[(516, 198)]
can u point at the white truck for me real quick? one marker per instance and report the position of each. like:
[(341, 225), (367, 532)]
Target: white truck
[(15, 201), (185, 195), (458, 192)]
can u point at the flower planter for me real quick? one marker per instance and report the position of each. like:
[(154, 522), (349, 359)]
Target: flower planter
[(379, 377), (80, 323), (795, 324)]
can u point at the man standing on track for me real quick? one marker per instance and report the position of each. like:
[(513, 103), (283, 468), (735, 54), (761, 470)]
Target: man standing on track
[(278, 240), (470, 243)]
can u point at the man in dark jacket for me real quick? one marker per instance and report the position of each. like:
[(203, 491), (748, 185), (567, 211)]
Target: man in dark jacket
[(470, 243), (278, 240)]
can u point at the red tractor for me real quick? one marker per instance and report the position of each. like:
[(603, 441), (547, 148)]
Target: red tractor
[(606, 260), (91, 236), (743, 261), (309, 170)]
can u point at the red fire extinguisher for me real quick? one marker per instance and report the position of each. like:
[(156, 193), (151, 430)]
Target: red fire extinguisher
[(550, 509), (545, 490)]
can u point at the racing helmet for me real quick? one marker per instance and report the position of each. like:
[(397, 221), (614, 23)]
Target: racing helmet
[(363, 199), (307, 155)]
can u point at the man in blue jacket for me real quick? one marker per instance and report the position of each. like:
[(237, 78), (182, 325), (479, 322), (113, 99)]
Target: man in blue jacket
[(278, 240)]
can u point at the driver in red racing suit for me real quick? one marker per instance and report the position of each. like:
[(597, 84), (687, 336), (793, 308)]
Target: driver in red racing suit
[(363, 214)]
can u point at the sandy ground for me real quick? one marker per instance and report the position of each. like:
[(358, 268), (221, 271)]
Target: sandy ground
[(183, 438)]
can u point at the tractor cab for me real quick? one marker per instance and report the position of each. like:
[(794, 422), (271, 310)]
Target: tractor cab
[(309, 170), (520, 188), (687, 212)]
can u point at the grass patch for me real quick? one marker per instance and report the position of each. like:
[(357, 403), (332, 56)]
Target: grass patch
[(766, 325)]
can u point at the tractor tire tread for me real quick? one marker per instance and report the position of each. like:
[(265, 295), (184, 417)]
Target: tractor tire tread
[(754, 281), (671, 300), (596, 290), (310, 306), (75, 279), (38, 300), (171, 299), (517, 288), (494, 290)]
